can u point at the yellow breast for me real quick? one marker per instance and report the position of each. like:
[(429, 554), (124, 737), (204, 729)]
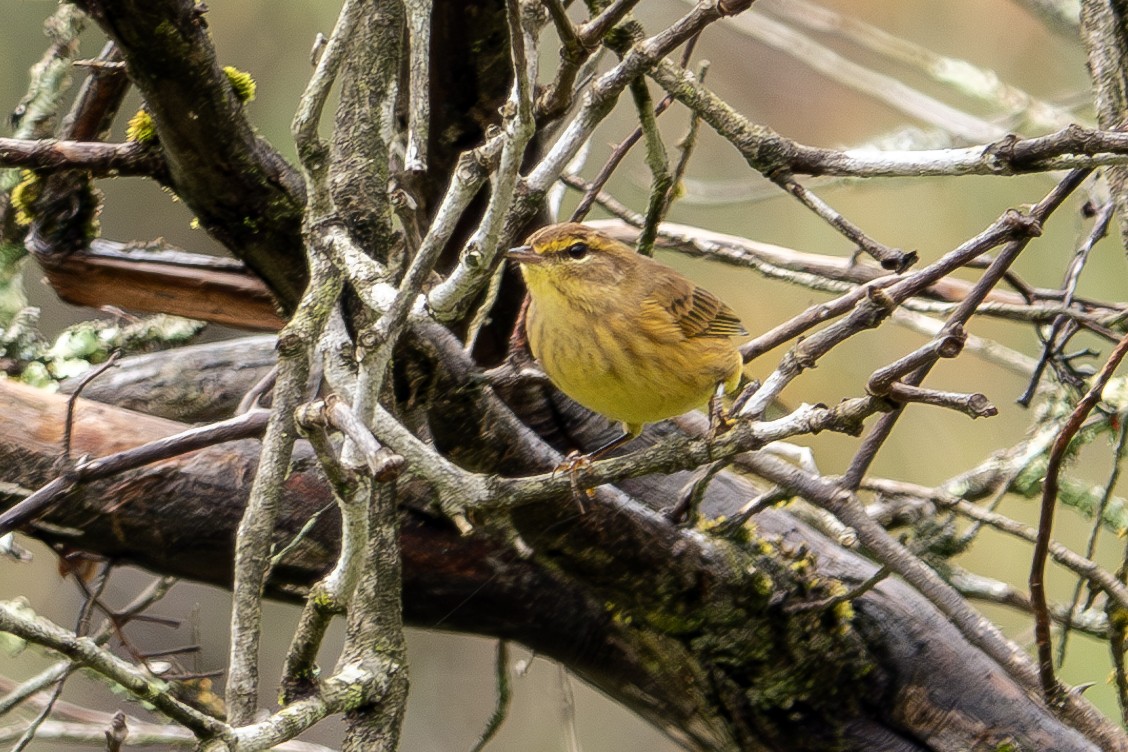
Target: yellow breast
[(623, 365)]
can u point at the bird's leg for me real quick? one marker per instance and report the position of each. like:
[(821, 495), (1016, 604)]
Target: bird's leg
[(719, 420), (575, 461), (612, 445)]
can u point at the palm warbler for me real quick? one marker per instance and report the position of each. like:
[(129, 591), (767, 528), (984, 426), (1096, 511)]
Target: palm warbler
[(623, 334)]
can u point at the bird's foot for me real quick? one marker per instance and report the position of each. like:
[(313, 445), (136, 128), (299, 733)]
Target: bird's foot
[(573, 465), (720, 420)]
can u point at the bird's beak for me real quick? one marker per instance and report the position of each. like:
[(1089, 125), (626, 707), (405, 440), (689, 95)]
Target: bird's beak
[(525, 255)]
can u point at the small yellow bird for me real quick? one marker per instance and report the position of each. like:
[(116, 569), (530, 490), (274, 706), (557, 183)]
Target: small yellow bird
[(621, 333)]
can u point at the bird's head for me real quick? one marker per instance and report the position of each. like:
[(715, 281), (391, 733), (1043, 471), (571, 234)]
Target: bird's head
[(573, 260)]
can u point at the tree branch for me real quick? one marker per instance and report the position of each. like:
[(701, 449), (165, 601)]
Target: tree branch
[(242, 191)]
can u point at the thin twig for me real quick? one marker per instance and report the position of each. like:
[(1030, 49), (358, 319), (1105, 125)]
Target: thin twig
[(1087, 569), (557, 96), (1094, 532), (48, 156), (17, 619), (757, 503), (957, 74), (691, 496), (567, 709), (989, 590), (686, 146), (72, 401), (1009, 253), (620, 152), (592, 31), (1055, 341), (656, 159), (884, 88), (251, 399), (827, 604), (1050, 685), (893, 259), (1117, 644), (81, 629), (241, 427), (504, 694)]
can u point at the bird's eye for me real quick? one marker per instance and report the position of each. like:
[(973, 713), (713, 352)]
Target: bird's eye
[(577, 250)]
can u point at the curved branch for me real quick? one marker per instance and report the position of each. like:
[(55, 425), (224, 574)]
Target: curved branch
[(242, 191), (769, 152), (557, 601)]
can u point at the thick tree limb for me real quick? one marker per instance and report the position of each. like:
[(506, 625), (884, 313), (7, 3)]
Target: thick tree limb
[(163, 281), (243, 192), (919, 666), (155, 383)]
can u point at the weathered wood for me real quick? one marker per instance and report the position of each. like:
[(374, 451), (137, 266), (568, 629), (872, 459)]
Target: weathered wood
[(922, 687), (155, 383), (243, 193), (188, 285)]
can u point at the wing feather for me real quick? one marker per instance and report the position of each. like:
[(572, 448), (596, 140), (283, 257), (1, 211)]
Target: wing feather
[(692, 309)]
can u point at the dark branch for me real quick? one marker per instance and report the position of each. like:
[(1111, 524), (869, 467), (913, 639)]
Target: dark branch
[(101, 160), (242, 191)]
